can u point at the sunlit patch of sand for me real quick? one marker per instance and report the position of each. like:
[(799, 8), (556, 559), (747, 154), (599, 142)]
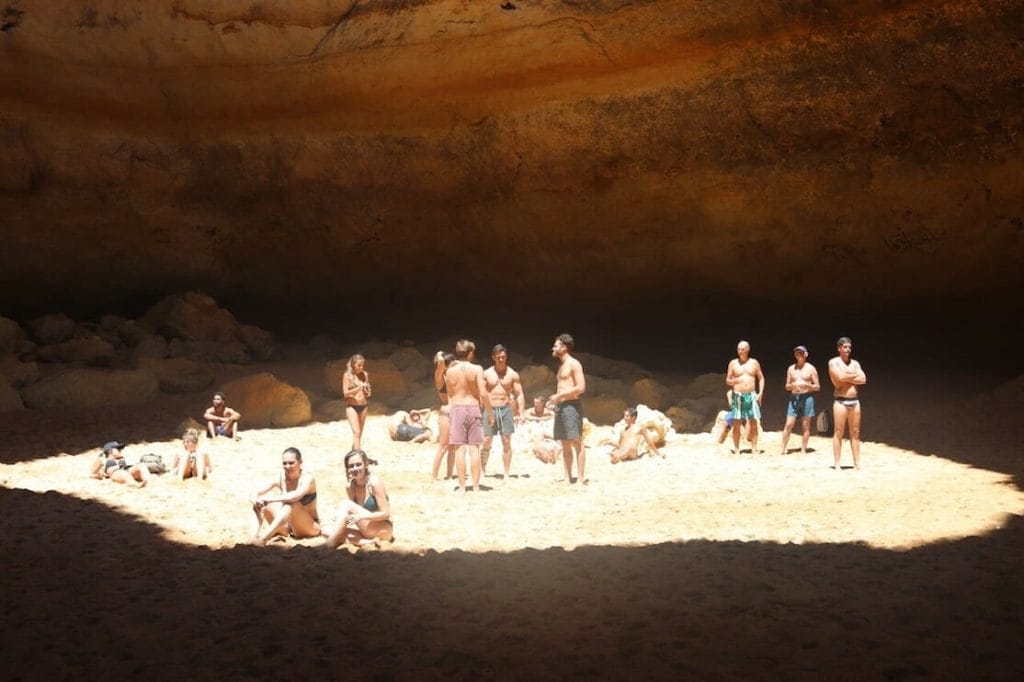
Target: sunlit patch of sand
[(900, 499)]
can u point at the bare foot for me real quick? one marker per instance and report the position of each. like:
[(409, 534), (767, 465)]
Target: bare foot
[(257, 541)]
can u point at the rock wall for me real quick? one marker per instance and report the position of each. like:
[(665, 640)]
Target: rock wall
[(288, 150)]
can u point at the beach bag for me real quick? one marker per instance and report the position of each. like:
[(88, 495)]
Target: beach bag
[(155, 463), (824, 422)]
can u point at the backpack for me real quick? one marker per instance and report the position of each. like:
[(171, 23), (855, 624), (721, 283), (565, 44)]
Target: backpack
[(824, 422), (155, 463)]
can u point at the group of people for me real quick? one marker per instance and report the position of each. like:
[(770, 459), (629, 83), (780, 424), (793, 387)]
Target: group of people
[(746, 393)]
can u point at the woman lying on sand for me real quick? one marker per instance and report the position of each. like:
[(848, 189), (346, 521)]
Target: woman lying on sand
[(111, 464), (365, 517), (291, 509)]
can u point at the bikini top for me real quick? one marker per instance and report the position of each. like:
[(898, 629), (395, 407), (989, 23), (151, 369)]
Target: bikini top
[(305, 499), (370, 503)]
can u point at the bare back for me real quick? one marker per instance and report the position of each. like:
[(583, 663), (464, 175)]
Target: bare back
[(465, 383)]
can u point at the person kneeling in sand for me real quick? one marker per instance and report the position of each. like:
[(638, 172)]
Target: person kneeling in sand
[(111, 464), (628, 446), (290, 506), (192, 463), (365, 517), (410, 426)]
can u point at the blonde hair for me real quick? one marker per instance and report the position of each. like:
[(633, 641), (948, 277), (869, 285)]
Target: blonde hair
[(190, 436)]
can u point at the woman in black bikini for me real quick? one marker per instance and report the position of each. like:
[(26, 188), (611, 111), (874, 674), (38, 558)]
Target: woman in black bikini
[(441, 362), (290, 508), (365, 517), (355, 387)]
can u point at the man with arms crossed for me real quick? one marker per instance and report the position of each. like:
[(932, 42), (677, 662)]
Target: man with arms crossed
[(503, 386), (466, 390), (746, 380), (801, 382), (846, 375), (565, 401)]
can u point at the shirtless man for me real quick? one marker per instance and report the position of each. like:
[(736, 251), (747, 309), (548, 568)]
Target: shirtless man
[(410, 426), (801, 382), (503, 387), (466, 391), (286, 504), (746, 380), (846, 375), (539, 412), (221, 420), (629, 440), (565, 401)]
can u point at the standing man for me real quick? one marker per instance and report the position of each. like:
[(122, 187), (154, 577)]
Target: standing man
[(221, 420), (746, 380), (846, 375), (801, 382), (503, 387), (466, 391), (565, 401)]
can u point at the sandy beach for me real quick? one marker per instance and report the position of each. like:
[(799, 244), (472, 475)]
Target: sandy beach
[(700, 565)]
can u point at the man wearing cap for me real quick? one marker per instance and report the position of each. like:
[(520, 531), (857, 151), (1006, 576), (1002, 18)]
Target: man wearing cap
[(801, 382), (745, 378), (111, 465), (846, 375)]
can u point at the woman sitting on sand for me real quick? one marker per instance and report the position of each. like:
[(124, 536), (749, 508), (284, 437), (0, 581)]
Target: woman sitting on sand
[(111, 464), (365, 517), (355, 387), (191, 463), (290, 509)]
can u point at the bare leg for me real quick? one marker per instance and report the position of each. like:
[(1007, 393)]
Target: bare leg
[(276, 524), (839, 418), (736, 424), (853, 415), (805, 422), (485, 453), (581, 459), (752, 432), (140, 472), (567, 459), (211, 429), (475, 466), (786, 430), (506, 453), (356, 425), (442, 448), (459, 453)]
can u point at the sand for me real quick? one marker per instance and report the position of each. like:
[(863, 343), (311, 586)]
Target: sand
[(703, 564)]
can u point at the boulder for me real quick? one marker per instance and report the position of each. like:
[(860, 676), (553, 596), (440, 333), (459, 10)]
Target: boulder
[(537, 380), (178, 375), (230, 351), (604, 409), (133, 333), (332, 410), (18, 373), (613, 388), (650, 392), (611, 369), (413, 364), (151, 347), (53, 328), (264, 401), (686, 421), (192, 316), (389, 384), (91, 388), (89, 351), (10, 400), (12, 338), (189, 423), (707, 385), (259, 342)]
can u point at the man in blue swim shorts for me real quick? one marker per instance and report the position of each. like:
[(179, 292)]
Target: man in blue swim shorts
[(801, 382), (568, 426), (505, 390)]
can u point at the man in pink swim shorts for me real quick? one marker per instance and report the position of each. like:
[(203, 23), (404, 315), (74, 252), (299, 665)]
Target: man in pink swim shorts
[(466, 391)]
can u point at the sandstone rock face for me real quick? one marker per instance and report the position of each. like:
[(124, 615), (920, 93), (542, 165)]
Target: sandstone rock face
[(89, 351), (9, 398), (12, 338), (91, 388), (18, 373), (178, 375), (610, 150), (52, 328), (264, 401)]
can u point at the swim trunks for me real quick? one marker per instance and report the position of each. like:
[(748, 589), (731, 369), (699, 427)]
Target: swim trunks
[(847, 402), (504, 425), (568, 420), (745, 406), (407, 432), (800, 405), (466, 425), (221, 430)]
